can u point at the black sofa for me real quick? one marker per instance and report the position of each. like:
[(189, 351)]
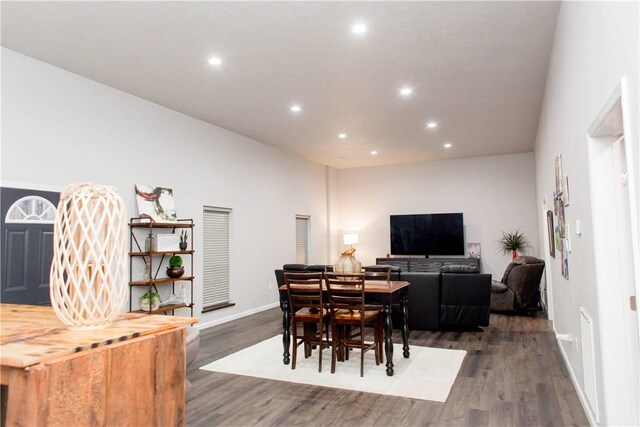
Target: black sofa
[(455, 297)]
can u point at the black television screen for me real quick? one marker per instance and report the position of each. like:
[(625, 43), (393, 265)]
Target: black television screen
[(427, 234)]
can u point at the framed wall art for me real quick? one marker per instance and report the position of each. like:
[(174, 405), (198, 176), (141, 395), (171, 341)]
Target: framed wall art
[(156, 203)]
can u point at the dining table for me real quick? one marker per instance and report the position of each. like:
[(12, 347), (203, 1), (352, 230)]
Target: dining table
[(382, 292)]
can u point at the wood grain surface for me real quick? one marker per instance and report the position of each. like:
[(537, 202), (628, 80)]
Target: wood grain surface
[(33, 334), (512, 375)]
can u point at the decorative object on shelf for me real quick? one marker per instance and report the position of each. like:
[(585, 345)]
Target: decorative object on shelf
[(150, 243), (175, 269), (150, 301), (168, 242), (89, 268), (183, 240), (550, 234), (156, 203), (179, 297), (348, 262), (473, 250), (513, 242)]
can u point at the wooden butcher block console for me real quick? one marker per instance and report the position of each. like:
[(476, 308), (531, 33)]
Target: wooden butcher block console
[(131, 373)]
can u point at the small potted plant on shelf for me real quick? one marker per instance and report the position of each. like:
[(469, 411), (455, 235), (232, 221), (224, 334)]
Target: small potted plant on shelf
[(175, 269), (150, 301), (183, 240), (513, 242)]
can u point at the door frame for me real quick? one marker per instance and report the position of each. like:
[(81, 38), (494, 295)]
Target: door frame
[(612, 302)]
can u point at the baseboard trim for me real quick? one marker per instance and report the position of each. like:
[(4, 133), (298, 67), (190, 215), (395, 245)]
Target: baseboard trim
[(583, 398), (215, 322)]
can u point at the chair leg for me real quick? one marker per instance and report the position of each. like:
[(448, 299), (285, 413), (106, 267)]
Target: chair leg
[(334, 344), (294, 347), (320, 345)]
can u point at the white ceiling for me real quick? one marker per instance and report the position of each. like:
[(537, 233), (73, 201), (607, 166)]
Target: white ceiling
[(477, 68)]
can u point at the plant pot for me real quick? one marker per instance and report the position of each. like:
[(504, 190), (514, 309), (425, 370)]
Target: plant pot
[(175, 272), (183, 246), (144, 304), (514, 255)]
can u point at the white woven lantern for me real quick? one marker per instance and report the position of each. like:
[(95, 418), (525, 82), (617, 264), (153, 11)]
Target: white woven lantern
[(89, 268)]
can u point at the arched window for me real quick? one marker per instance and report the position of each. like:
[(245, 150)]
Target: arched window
[(31, 210)]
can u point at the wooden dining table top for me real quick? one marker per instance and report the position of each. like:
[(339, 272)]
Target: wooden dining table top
[(372, 286)]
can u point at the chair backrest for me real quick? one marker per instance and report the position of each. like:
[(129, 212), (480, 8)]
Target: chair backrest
[(377, 272), (345, 291), (523, 277), (304, 291)]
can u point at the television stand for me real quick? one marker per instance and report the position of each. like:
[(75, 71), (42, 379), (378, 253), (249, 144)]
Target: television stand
[(430, 265)]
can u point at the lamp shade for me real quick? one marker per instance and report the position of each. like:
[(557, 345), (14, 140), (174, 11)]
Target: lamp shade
[(350, 239)]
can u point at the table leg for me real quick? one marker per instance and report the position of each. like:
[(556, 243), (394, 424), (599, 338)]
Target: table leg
[(286, 334), (388, 342), (405, 326)]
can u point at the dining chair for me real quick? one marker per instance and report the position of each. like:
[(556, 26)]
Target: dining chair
[(349, 316), (377, 272), (306, 305)]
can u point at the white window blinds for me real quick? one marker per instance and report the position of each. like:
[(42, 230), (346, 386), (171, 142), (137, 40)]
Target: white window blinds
[(302, 239), (215, 280)]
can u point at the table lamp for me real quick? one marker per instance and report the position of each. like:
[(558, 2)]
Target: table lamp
[(347, 262)]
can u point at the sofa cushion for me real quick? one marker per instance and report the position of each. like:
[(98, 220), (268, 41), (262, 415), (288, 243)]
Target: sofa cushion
[(319, 268), (459, 268), (294, 267)]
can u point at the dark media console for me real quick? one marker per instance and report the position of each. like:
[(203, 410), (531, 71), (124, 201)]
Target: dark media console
[(426, 265)]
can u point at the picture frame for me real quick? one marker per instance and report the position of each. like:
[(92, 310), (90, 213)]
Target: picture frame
[(550, 234), (559, 176), (167, 242), (156, 203), (473, 250)]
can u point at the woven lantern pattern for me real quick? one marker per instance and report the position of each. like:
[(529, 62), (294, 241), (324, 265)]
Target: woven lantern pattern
[(89, 267)]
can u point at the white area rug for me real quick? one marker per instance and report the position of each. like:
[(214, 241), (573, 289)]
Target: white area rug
[(428, 374)]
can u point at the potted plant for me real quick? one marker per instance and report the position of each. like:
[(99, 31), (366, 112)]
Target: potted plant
[(175, 268), (150, 301), (183, 240), (513, 242)]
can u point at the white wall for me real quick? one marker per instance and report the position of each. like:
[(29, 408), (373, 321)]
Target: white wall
[(495, 194), (59, 128), (595, 45)]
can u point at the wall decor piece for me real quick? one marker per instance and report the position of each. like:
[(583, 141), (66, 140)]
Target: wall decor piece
[(168, 242), (89, 268), (565, 192), (565, 259), (156, 203), (473, 250), (559, 177), (550, 234)]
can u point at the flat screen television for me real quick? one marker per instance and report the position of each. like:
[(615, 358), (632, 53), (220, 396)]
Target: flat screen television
[(427, 234)]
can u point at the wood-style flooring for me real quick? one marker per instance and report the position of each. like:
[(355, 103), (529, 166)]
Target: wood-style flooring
[(513, 374)]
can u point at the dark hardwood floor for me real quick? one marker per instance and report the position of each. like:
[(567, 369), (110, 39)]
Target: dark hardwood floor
[(513, 375)]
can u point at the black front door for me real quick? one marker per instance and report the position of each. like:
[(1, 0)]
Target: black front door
[(27, 244)]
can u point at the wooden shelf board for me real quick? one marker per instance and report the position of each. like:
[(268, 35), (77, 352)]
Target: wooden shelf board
[(147, 253), (161, 225), (160, 281), (165, 308)]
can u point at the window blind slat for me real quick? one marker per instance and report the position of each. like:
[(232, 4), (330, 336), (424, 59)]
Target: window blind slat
[(215, 288)]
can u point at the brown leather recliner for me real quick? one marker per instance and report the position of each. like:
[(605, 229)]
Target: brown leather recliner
[(519, 289)]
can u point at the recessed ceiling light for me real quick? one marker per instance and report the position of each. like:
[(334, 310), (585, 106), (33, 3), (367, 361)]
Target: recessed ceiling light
[(342, 135), (215, 60), (406, 91), (359, 28), (373, 153), (296, 108), (432, 125), (448, 145)]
